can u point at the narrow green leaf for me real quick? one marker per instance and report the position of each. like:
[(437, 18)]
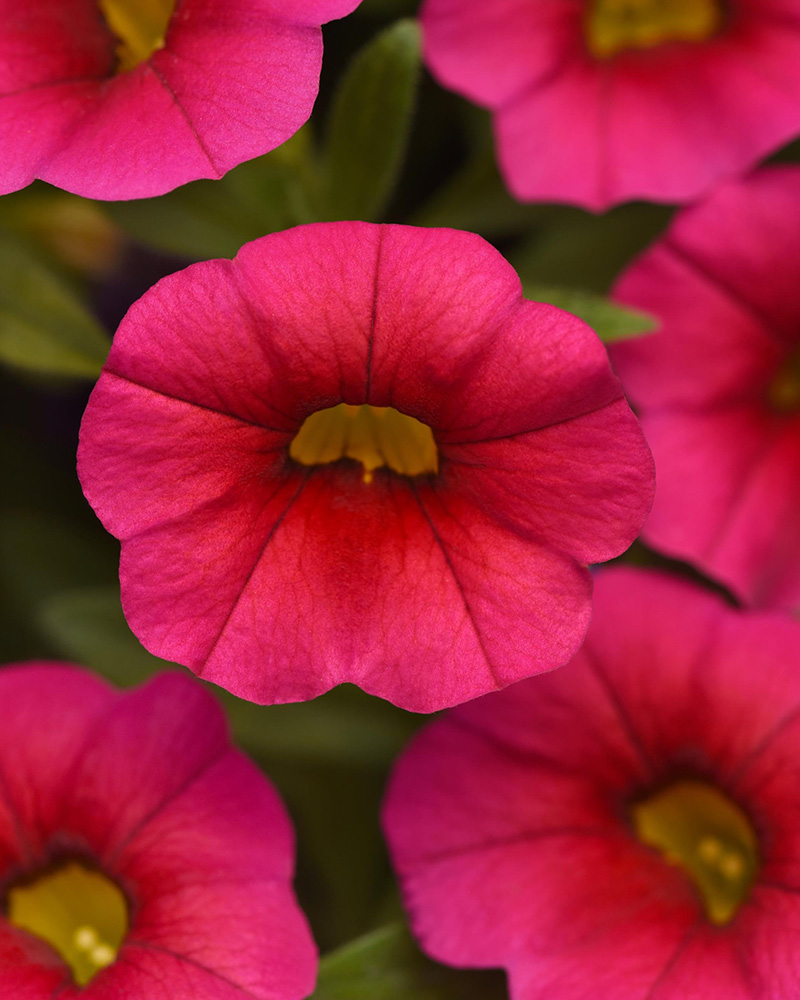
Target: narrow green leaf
[(608, 320), (387, 965), (370, 124), (44, 326)]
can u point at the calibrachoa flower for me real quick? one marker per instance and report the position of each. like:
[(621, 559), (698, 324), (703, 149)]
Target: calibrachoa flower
[(355, 453), (124, 99), (719, 386), (601, 101), (141, 855), (627, 827)]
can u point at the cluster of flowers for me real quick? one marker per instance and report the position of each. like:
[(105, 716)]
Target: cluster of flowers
[(355, 453)]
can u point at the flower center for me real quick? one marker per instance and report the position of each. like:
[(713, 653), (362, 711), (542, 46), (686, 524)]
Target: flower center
[(783, 393), (140, 27), (612, 26), (372, 435), (700, 830), (80, 913)]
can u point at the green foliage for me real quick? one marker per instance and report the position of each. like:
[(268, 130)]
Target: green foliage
[(369, 124), (474, 197), (387, 965), (44, 326), (608, 320), (208, 219), (576, 249)]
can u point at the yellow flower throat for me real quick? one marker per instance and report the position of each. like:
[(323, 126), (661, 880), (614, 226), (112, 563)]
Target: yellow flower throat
[(79, 912), (139, 25), (700, 830), (614, 26), (375, 436)]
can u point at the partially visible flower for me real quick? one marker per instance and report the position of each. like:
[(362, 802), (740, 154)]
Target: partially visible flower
[(718, 387), (141, 855), (356, 453), (601, 101), (120, 99), (625, 828)]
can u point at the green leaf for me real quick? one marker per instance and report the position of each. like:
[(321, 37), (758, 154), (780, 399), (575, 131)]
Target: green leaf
[(578, 248), (475, 197), (88, 626), (44, 326), (208, 219), (370, 122), (387, 965), (608, 320)]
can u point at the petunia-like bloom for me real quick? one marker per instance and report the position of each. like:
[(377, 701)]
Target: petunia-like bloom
[(601, 101), (120, 99), (719, 386), (625, 828), (356, 453), (141, 855)]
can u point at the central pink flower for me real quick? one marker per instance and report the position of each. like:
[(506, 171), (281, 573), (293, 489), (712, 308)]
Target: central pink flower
[(356, 453), (121, 99)]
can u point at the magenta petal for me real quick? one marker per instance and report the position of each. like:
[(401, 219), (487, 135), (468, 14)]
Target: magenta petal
[(577, 505), (739, 243), (193, 925), (279, 580), (223, 845), (509, 820), (722, 281), (138, 756), (508, 45), (145, 786), (666, 123), (709, 326), (234, 80), (31, 969), (47, 711)]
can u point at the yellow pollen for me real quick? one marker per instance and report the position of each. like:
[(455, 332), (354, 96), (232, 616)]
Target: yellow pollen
[(783, 393), (700, 830), (375, 436), (80, 913), (139, 25), (612, 26)]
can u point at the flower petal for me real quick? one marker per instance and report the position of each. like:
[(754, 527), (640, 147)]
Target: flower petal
[(47, 713), (139, 755)]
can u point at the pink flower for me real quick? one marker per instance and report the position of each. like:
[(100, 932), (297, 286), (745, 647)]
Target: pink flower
[(282, 532), (141, 855), (719, 386), (627, 827), (602, 101), (115, 99)]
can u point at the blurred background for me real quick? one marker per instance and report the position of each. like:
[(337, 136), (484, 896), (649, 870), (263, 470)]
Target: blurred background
[(69, 270)]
